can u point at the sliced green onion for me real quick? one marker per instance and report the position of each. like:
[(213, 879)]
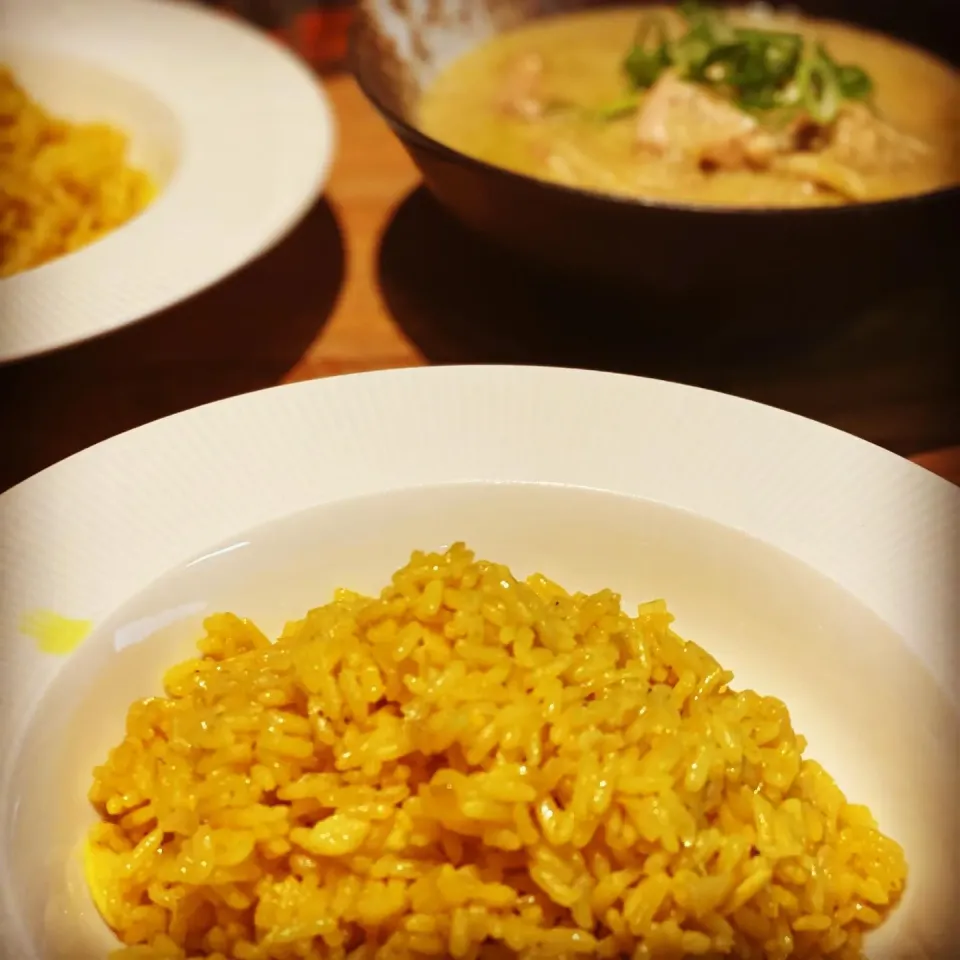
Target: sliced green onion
[(644, 63), (818, 82), (617, 109), (759, 70), (854, 82)]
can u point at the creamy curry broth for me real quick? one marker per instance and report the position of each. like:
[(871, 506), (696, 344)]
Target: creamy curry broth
[(580, 58)]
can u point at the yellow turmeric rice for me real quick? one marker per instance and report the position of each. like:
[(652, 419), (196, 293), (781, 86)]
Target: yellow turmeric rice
[(62, 185), (473, 766)]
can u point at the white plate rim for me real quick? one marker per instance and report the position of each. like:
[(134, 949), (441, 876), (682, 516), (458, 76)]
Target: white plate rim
[(85, 534), (138, 270)]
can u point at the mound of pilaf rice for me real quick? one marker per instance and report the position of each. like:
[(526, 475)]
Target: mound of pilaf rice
[(62, 185), (473, 766)]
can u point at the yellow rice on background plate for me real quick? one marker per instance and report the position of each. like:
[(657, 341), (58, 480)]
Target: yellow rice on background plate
[(62, 185), (475, 766)]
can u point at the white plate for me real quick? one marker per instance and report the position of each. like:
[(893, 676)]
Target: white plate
[(236, 131), (820, 568)]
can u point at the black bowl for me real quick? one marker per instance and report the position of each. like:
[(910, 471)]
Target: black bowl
[(776, 261)]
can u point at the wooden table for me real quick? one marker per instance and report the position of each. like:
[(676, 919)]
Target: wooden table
[(377, 276)]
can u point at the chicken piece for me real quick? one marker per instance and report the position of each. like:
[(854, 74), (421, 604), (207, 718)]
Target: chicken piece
[(521, 91), (861, 140), (760, 147), (683, 119), (755, 150)]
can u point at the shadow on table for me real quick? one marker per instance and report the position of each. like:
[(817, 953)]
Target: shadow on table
[(241, 335), (888, 374)]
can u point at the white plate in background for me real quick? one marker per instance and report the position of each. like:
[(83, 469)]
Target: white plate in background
[(234, 128)]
